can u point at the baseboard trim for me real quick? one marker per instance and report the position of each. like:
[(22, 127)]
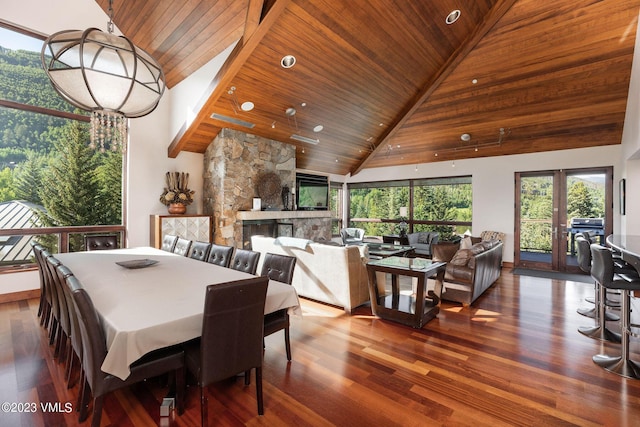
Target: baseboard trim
[(19, 296)]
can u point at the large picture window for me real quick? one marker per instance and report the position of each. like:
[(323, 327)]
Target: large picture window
[(443, 205), (50, 174)]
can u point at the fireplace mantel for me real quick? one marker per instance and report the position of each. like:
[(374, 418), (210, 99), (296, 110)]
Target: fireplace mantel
[(257, 215)]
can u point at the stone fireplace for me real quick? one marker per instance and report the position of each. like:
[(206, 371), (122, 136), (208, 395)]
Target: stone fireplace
[(233, 165)]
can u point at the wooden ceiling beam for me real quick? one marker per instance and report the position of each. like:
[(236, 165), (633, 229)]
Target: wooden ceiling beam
[(254, 14), (242, 51), (494, 15)]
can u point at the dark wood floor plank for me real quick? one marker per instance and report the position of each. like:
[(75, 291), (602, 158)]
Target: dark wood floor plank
[(513, 358)]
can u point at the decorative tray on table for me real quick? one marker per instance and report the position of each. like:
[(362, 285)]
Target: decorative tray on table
[(137, 263)]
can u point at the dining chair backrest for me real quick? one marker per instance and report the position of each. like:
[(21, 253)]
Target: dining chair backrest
[(94, 347), (220, 255), (246, 260), (58, 283), (51, 286), (182, 246), (232, 328), (200, 250), (37, 249), (583, 248), (76, 340), (168, 242), (279, 267), (100, 242)]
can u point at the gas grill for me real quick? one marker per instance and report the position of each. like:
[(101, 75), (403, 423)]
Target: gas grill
[(593, 226)]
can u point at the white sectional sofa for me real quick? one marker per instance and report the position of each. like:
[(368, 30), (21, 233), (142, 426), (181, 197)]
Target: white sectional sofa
[(332, 274)]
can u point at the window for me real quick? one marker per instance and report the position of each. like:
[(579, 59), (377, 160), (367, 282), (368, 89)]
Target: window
[(376, 206), (438, 204), (50, 175), (442, 205)]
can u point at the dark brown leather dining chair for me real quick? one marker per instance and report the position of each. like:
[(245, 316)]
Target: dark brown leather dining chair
[(168, 242), (220, 255), (63, 332), (75, 348), (101, 242), (43, 307), (280, 268), (200, 250), (246, 260), (182, 246), (52, 295), (231, 339), (94, 350)]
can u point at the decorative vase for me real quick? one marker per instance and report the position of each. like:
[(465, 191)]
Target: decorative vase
[(177, 208)]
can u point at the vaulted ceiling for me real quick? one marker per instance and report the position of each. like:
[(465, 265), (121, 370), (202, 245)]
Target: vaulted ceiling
[(390, 82)]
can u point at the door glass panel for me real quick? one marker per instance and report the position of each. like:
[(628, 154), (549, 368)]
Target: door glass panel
[(536, 219), (585, 209)]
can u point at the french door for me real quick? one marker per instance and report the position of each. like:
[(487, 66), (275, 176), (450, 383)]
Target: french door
[(546, 201)]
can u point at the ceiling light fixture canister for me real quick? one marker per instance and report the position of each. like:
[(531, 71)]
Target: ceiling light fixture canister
[(288, 61), (453, 16), (104, 74)]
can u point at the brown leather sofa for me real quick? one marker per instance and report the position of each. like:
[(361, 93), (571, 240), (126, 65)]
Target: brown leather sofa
[(471, 271)]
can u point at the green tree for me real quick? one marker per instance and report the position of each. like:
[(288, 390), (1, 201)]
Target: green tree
[(109, 176), (70, 191), (580, 202), (6, 185), (28, 178)]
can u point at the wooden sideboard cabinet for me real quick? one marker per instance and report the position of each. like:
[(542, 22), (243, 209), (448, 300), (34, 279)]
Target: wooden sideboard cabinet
[(192, 227)]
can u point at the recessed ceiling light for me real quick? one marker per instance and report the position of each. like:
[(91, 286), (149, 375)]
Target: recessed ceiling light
[(465, 137), (288, 61), (247, 106), (452, 17), (474, 81), (318, 128)]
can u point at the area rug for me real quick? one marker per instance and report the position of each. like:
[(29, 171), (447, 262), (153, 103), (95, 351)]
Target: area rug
[(547, 274)]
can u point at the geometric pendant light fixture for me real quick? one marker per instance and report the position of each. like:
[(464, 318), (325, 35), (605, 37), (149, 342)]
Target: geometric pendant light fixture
[(104, 74)]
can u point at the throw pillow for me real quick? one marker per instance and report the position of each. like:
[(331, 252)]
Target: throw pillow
[(476, 249), (466, 243), (424, 238), (461, 257)]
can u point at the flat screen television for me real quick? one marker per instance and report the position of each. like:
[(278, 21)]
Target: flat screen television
[(312, 192)]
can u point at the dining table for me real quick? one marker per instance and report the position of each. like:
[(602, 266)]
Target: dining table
[(148, 299)]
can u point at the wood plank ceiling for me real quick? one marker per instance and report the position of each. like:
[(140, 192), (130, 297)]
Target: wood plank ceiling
[(390, 82)]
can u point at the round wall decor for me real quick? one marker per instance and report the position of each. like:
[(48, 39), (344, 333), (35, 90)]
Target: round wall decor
[(269, 187)]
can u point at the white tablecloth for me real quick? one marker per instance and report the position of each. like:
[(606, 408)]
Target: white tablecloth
[(154, 307)]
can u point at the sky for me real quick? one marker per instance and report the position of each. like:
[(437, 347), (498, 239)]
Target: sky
[(16, 41)]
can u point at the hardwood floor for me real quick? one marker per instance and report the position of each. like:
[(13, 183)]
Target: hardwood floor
[(514, 358)]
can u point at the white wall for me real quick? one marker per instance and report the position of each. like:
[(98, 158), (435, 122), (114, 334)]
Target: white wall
[(631, 150), (493, 181)]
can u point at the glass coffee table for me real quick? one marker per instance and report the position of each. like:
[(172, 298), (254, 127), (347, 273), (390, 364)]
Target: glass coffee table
[(413, 310), (384, 250)]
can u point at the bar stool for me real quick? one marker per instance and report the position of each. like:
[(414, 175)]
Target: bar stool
[(609, 302), (620, 365), (583, 248), (601, 271)]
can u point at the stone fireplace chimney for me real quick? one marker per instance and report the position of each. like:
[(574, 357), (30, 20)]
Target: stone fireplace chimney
[(232, 164)]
